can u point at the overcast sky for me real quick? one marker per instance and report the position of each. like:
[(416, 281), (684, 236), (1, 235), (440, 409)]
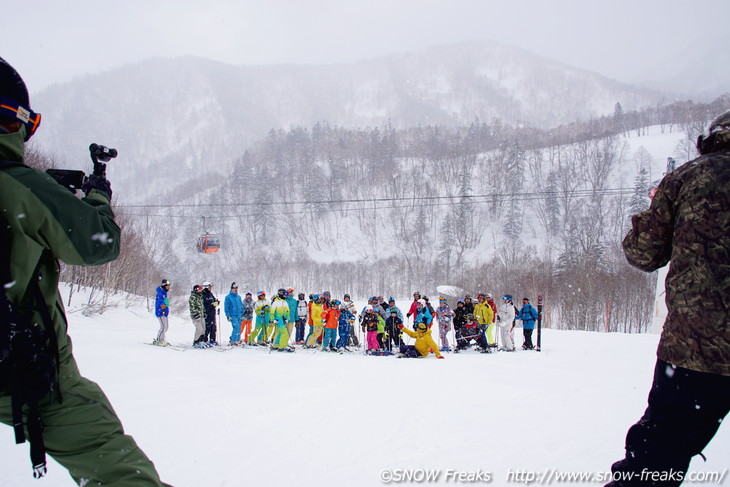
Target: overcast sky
[(51, 41)]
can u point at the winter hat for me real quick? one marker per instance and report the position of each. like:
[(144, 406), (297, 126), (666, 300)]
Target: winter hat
[(165, 282), (721, 122), (369, 307), (14, 100), (248, 293), (234, 285), (525, 299), (718, 134)]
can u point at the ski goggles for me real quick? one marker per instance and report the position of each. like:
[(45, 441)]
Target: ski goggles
[(12, 109)]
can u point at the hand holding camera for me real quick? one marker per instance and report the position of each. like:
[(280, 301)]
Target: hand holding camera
[(74, 180)]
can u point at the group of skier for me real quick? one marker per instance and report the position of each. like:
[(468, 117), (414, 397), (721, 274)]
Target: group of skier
[(333, 324)]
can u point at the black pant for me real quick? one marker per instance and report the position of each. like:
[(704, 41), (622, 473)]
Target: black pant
[(409, 351), (393, 337), (685, 410), (210, 329), (352, 338), (301, 325), (528, 338)]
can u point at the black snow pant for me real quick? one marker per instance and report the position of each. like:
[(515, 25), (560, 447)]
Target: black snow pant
[(210, 329), (685, 411), (393, 337), (409, 351), (528, 339), (352, 339)]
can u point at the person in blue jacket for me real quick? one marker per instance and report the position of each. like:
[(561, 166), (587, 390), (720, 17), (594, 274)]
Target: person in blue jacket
[(162, 311), (528, 315), (344, 325), (233, 307), (423, 315)]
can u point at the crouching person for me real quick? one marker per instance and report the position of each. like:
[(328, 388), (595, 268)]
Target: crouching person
[(424, 343)]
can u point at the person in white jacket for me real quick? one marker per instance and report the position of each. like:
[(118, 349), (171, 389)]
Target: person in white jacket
[(506, 322)]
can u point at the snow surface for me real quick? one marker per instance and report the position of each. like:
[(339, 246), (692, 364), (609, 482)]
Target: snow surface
[(247, 417)]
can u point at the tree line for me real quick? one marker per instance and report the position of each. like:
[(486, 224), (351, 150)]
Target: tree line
[(380, 210)]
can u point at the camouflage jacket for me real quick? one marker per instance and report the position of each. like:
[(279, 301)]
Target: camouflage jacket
[(688, 224), (195, 303)]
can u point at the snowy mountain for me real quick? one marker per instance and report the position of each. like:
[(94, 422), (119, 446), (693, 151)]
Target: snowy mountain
[(246, 417), (189, 117)]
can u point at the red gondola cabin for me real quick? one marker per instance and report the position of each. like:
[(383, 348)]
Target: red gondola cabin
[(208, 244)]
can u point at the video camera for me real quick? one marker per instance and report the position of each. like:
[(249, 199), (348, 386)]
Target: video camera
[(74, 180)]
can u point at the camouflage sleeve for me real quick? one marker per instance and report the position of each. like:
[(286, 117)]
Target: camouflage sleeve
[(648, 245)]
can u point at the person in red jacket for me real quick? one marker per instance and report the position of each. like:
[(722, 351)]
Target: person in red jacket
[(331, 317), (413, 311)]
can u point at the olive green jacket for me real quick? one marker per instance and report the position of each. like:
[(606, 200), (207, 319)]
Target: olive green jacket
[(48, 223), (688, 225)]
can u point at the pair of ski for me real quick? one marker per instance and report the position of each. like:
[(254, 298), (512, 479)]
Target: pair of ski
[(182, 348)]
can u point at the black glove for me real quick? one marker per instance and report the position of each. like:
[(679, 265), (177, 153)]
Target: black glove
[(98, 182)]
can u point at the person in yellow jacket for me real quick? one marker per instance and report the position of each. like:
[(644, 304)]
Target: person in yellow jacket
[(317, 323), (424, 343), (484, 315)]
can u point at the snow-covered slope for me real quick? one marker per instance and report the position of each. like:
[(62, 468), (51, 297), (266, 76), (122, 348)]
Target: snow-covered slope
[(246, 417)]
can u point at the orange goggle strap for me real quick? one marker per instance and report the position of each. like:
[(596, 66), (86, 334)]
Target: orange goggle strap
[(10, 108)]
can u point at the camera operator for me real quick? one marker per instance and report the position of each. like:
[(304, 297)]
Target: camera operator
[(45, 222)]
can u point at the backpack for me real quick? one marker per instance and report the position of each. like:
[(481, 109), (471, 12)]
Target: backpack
[(28, 355)]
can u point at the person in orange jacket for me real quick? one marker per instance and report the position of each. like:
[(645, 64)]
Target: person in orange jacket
[(424, 343), (331, 318)]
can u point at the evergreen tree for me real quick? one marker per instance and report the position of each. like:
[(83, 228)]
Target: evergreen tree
[(639, 200)]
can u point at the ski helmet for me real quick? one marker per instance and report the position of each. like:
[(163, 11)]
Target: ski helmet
[(207, 284), (165, 282), (421, 326), (507, 297), (197, 288), (260, 293), (369, 307), (14, 100), (281, 292)]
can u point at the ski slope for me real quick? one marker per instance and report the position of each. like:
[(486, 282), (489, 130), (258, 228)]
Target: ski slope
[(247, 417)]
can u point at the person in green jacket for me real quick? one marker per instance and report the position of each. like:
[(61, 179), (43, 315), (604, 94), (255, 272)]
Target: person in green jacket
[(48, 223), (262, 310)]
